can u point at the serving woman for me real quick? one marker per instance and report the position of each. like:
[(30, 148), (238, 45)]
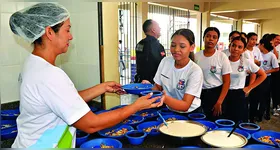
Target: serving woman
[(51, 107)]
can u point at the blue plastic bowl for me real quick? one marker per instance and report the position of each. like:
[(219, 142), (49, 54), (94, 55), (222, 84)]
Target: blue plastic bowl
[(6, 124), (225, 123), (100, 112), (96, 143), (258, 146), (262, 133), (9, 133), (81, 137), (115, 129), (172, 117), (137, 88), (209, 124), (189, 147), (136, 137), (145, 125), (249, 127), (242, 132), (133, 120), (10, 114), (93, 109), (147, 113), (166, 111), (155, 94), (117, 107), (196, 116)]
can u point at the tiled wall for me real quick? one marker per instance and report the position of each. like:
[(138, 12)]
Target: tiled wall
[(81, 62)]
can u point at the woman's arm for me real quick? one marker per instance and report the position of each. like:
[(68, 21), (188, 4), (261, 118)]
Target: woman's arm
[(261, 77), (95, 91), (271, 70), (91, 122), (217, 109)]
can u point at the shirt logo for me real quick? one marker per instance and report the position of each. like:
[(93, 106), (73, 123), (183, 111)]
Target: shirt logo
[(213, 69), (181, 84), (265, 62), (162, 53), (240, 68)]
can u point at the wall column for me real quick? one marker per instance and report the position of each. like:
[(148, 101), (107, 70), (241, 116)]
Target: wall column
[(109, 52)]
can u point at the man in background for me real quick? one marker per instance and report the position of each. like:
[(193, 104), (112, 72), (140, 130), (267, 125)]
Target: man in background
[(149, 52)]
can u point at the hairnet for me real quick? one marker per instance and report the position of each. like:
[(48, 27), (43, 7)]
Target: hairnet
[(30, 23)]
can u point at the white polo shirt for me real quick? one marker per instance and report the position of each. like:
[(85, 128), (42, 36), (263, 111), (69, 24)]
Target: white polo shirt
[(239, 72), (278, 51), (178, 82), (213, 68), (269, 62)]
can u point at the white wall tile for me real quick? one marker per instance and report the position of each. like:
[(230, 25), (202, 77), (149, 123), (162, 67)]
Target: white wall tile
[(9, 83), (8, 7)]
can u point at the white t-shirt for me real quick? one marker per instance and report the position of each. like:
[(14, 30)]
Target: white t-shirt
[(278, 51), (49, 102), (213, 67), (226, 51), (178, 82), (269, 62), (239, 72), (257, 53)]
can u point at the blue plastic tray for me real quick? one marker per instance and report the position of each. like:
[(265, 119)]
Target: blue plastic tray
[(147, 113), (155, 94), (209, 124), (133, 120), (172, 117), (10, 114), (9, 133), (5, 124), (149, 124), (96, 143), (137, 88), (262, 133), (115, 129)]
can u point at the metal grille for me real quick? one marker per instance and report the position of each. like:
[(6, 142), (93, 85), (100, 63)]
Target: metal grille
[(128, 36), (171, 19)]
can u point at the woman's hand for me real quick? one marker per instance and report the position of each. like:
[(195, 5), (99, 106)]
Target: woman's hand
[(145, 82), (217, 109), (112, 87), (247, 91), (145, 103)]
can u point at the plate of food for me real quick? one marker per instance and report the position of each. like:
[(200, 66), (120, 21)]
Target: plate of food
[(116, 131), (136, 88), (147, 113)]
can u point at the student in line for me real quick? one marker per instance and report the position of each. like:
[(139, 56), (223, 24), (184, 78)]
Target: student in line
[(232, 35), (178, 76), (236, 104), (269, 65), (216, 72)]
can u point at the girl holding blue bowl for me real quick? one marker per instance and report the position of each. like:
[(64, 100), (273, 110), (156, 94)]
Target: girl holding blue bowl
[(178, 76)]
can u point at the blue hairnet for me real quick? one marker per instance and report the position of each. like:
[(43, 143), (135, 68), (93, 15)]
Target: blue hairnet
[(30, 23)]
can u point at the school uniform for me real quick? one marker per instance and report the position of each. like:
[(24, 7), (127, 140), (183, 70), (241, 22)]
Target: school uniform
[(213, 68), (236, 104), (275, 77), (269, 62), (178, 82), (254, 94)]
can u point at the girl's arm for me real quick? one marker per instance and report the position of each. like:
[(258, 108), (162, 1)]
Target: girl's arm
[(217, 109)]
